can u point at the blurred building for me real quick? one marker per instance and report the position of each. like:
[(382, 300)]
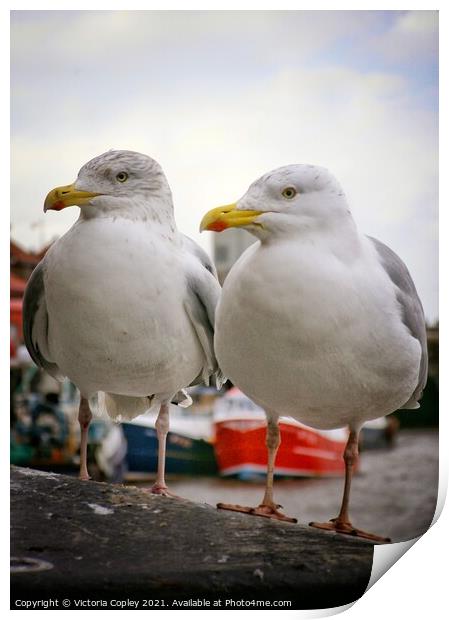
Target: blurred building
[(433, 340), (227, 247), (22, 263)]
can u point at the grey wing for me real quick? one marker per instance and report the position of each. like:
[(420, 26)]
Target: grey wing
[(201, 255), (35, 322), (203, 293), (412, 311)]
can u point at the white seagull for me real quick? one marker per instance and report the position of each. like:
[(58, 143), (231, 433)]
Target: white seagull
[(123, 304), (316, 320)]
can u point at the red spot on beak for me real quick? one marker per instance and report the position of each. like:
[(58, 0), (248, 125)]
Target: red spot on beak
[(218, 226), (57, 206)]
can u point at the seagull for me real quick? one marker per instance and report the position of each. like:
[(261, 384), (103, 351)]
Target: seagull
[(316, 320), (123, 304)]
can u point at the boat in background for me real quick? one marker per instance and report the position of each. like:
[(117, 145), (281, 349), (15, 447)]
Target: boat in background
[(379, 434), (240, 427), (189, 450)]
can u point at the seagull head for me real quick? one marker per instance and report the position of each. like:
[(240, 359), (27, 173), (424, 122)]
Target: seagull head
[(287, 200), (116, 183)]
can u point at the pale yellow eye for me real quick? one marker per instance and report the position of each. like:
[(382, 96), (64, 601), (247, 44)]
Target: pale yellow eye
[(122, 177), (289, 192)]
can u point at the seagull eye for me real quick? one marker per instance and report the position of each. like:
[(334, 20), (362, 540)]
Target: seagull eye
[(289, 193), (122, 177)]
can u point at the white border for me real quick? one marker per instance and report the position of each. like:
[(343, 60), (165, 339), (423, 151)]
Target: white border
[(414, 587)]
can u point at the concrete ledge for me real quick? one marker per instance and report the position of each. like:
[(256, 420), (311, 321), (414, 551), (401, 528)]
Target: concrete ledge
[(89, 540)]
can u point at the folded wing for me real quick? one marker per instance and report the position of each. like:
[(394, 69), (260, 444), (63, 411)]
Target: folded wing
[(203, 293), (412, 312), (35, 322)]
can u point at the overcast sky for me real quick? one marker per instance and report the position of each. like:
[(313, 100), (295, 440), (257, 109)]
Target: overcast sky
[(219, 98)]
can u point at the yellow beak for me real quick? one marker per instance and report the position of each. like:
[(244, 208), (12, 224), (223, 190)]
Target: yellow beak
[(227, 216), (66, 196)]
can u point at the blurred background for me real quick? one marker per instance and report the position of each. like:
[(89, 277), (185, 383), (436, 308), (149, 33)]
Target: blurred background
[(219, 98)]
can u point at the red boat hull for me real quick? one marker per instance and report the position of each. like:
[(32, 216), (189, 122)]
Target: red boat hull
[(304, 452)]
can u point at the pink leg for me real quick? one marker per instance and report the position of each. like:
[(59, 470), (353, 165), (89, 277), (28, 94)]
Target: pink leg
[(84, 418), (268, 508), (342, 523), (162, 426)]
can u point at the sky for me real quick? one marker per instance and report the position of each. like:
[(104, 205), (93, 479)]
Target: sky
[(220, 97)]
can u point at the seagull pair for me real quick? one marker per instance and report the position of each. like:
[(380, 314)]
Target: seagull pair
[(315, 321)]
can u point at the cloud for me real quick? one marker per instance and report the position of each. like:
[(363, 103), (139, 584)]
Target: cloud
[(111, 35), (413, 37)]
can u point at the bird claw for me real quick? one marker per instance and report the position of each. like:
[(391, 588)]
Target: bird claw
[(345, 527), (159, 489), (272, 512), (235, 507), (269, 512)]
